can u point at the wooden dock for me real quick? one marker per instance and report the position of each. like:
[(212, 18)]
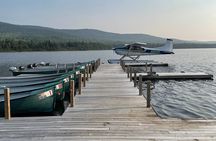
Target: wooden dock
[(108, 109), (148, 64), (175, 76), (117, 61)]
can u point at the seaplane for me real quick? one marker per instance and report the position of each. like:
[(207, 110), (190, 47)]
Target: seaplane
[(135, 50)]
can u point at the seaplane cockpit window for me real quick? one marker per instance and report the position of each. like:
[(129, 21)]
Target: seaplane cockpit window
[(137, 48)]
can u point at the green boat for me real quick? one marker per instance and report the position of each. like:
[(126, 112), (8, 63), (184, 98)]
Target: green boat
[(29, 97), (45, 69), (21, 85), (35, 101), (28, 78)]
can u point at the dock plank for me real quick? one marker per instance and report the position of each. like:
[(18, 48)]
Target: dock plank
[(109, 109)]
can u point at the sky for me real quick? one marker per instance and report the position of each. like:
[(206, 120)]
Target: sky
[(182, 19)]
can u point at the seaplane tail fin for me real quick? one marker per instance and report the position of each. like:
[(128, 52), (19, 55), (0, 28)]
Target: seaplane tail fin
[(168, 46)]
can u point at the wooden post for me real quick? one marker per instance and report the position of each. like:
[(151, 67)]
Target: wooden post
[(146, 67), (7, 110), (57, 68), (148, 98), (135, 79), (72, 101), (74, 67), (79, 83), (94, 66), (97, 64), (93, 70), (99, 61), (140, 84), (123, 66), (84, 78), (130, 74), (66, 68), (121, 63), (150, 69), (87, 72), (90, 71)]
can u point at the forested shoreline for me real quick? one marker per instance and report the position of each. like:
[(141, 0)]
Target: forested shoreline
[(19, 45), (7, 45)]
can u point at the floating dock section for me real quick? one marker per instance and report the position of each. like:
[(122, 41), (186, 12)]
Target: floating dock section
[(109, 109), (174, 76), (137, 63), (117, 61), (146, 64)]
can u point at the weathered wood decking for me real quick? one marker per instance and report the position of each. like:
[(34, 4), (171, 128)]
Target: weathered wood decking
[(108, 109)]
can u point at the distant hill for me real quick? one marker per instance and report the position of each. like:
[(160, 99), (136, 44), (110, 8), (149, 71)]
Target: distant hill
[(37, 38), (41, 33)]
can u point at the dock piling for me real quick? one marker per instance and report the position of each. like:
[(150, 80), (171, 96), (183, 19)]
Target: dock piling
[(90, 70), (73, 67), (148, 96), (96, 64), (87, 70), (151, 72), (66, 70), (146, 67), (7, 110), (99, 62), (84, 77), (57, 68), (80, 83), (123, 66), (140, 84), (93, 67), (130, 71), (135, 79), (72, 101)]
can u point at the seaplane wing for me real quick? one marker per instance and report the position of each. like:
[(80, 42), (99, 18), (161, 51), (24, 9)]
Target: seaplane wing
[(140, 44), (139, 49)]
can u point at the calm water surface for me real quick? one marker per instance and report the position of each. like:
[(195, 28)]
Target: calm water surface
[(180, 99)]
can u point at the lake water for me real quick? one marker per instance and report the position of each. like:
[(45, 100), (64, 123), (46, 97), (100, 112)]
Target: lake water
[(181, 99)]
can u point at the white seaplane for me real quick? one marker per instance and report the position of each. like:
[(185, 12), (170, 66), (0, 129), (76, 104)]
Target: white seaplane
[(135, 50)]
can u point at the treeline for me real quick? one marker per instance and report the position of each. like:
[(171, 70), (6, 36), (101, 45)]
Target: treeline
[(18, 45), (7, 45)]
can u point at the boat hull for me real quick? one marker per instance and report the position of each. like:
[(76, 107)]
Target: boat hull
[(43, 102)]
